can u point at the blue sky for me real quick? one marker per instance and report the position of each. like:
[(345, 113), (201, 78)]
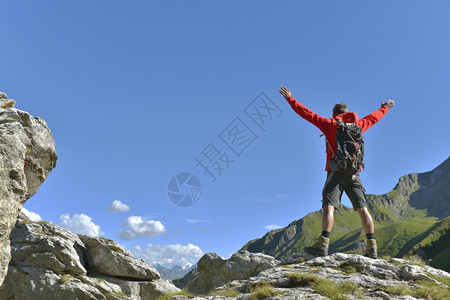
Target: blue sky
[(134, 90)]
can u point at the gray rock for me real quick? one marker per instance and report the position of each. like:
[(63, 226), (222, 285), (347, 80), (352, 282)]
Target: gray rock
[(24, 283), (297, 257), (144, 290), (28, 154), (49, 262), (106, 257), (214, 271), (46, 246)]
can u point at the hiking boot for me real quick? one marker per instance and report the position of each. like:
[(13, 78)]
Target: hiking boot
[(320, 247), (371, 250)]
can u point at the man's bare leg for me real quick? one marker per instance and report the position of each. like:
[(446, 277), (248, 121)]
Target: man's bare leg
[(366, 220), (369, 229), (327, 218), (320, 247)]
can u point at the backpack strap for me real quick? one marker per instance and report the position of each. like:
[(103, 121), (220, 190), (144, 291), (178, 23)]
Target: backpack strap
[(326, 141), (331, 149)]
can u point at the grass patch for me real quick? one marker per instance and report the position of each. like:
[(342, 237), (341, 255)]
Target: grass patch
[(385, 257), (324, 287), (347, 268), (350, 289), (301, 279), (427, 290), (261, 290), (444, 280), (285, 266), (229, 292), (399, 290), (314, 270), (415, 260), (120, 295), (431, 290), (42, 222), (180, 293), (65, 278)]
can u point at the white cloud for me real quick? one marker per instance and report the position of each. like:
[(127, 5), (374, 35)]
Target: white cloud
[(80, 224), (195, 221), (135, 227), (117, 206), (272, 227), (169, 255), (31, 215)]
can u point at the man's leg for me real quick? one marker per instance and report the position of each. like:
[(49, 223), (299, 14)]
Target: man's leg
[(320, 248), (366, 220), (357, 194), (331, 194), (327, 218)]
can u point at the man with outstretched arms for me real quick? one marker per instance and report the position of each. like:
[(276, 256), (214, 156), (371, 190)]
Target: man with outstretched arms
[(337, 181)]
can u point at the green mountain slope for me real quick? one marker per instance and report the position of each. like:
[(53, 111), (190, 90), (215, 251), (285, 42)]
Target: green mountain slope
[(413, 218)]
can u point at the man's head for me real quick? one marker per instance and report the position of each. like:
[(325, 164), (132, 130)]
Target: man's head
[(339, 108)]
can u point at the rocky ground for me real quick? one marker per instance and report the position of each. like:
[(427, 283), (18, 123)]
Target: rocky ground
[(301, 276)]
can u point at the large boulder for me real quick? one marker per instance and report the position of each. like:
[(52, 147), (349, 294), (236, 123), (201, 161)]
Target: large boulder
[(28, 155), (213, 271), (47, 246), (106, 257), (49, 262)]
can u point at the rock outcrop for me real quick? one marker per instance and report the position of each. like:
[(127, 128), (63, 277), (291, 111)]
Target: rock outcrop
[(28, 155), (49, 262), (103, 256), (213, 271), (337, 276)]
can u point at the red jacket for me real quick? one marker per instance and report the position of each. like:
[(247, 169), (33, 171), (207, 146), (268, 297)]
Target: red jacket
[(329, 126)]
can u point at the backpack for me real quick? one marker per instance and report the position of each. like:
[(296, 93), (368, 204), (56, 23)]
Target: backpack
[(350, 149)]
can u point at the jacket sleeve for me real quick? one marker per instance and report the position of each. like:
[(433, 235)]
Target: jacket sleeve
[(370, 120), (308, 114)]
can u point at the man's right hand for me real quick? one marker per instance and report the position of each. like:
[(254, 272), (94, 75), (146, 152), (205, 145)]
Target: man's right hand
[(285, 92), (388, 103)]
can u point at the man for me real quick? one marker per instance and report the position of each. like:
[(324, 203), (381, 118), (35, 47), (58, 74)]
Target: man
[(337, 182)]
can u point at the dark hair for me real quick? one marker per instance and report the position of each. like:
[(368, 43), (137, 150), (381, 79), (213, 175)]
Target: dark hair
[(340, 108)]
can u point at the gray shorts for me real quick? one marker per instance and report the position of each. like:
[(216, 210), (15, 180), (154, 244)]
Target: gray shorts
[(337, 183)]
